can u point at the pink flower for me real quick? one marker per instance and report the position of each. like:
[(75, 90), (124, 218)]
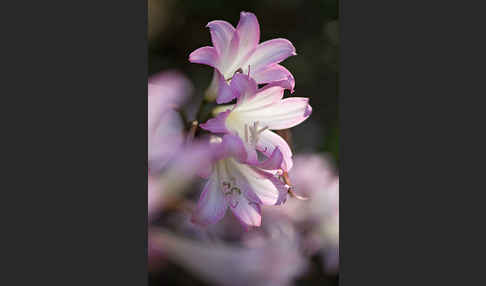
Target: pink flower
[(264, 110), (239, 49), (325, 206), (166, 92), (276, 261), (170, 184), (239, 182), (313, 176)]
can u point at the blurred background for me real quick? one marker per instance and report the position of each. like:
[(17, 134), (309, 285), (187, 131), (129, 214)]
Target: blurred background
[(177, 27)]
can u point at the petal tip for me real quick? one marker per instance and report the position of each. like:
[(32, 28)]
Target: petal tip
[(308, 110), (247, 13)]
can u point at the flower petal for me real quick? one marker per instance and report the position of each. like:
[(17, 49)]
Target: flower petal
[(256, 184), (164, 138), (286, 114), (248, 213), (217, 124), (249, 32), (274, 73), (281, 187), (225, 93), (234, 147), (241, 85), (172, 86), (267, 96), (272, 163), (212, 205), (269, 141), (205, 55), (221, 34), (269, 53), (230, 59)]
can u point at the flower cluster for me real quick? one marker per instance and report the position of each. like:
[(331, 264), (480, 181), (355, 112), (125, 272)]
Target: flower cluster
[(240, 161), (249, 158)]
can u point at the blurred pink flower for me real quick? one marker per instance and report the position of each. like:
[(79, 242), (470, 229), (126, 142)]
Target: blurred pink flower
[(240, 182), (166, 92), (169, 185), (262, 107), (239, 49), (313, 176), (275, 261), (325, 207)]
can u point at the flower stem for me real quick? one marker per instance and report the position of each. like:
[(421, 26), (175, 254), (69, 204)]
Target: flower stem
[(192, 132)]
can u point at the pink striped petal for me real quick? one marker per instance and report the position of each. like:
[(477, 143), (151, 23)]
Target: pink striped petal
[(269, 141), (249, 32), (221, 34), (217, 124), (211, 206), (274, 73), (271, 52), (205, 55)]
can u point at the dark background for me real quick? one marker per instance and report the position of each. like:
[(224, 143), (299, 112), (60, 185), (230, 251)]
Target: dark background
[(176, 28)]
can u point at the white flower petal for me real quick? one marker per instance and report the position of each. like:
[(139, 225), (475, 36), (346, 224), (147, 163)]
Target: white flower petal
[(270, 52), (254, 182), (282, 115)]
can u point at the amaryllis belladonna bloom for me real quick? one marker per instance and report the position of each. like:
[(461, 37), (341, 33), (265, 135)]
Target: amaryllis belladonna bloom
[(239, 50), (265, 110), (240, 182), (166, 92)]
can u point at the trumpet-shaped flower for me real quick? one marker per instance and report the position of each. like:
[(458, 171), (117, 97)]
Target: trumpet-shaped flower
[(239, 182), (238, 49), (264, 110), (166, 92)]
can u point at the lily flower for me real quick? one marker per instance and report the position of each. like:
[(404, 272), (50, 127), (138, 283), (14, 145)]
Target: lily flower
[(167, 91), (238, 49), (239, 182), (265, 110)]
